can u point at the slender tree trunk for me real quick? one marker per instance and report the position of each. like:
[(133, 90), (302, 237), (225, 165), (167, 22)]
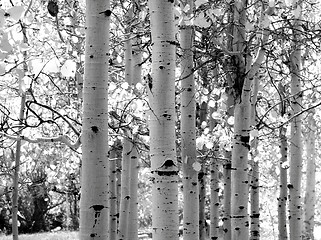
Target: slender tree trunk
[(283, 195), (188, 135), (132, 230), (202, 181), (15, 191), (227, 197), (310, 199), (295, 205), (113, 193), (125, 194), (215, 202), (162, 122), (94, 177)]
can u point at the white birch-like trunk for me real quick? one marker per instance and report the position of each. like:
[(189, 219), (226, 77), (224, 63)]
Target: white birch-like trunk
[(162, 122), (125, 193), (15, 191), (215, 201), (283, 195), (310, 198), (113, 194), (94, 204), (188, 135), (202, 181), (295, 201), (132, 229), (227, 233)]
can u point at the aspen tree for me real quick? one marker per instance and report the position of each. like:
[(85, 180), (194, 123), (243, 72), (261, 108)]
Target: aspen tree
[(294, 186), (282, 199), (310, 199), (94, 176), (127, 145), (113, 193), (242, 120), (15, 192), (215, 205), (202, 177), (125, 194), (239, 196), (132, 229), (254, 174), (162, 121), (188, 135)]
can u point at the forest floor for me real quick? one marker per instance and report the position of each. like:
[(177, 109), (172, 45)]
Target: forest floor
[(61, 235)]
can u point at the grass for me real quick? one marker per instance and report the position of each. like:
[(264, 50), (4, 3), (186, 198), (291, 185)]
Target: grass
[(45, 236)]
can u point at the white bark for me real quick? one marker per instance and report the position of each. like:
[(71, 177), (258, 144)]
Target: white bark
[(162, 122), (295, 204), (125, 194), (132, 229), (94, 176), (188, 135), (215, 202), (283, 195), (310, 198)]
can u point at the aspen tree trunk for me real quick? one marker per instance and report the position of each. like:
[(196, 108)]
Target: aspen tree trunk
[(15, 192), (215, 204), (113, 194), (202, 182), (125, 194), (310, 199), (254, 175), (242, 124), (227, 197), (241, 143), (94, 176), (310, 181), (162, 122), (127, 144), (132, 229), (295, 205), (282, 199), (188, 135)]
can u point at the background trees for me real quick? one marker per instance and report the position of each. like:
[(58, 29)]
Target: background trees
[(223, 69)]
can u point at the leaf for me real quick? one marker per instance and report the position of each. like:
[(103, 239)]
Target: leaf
[(230, 120), (201, 21), (297, 12), (124, 85), (271, 3), (5, 46), (2, 68), (254, 133), (68, 69), (266, 22), (52, 66), (216, 116), (186, 8), (197, 166), (24, 84), (211, 103), (16, 12), (199, 3), (249, 26), (2, 18)]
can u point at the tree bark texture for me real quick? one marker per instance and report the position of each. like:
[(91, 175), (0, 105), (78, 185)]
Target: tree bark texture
[(162, 122), (283, 195), (310, 198), (294, 186), (94, 204), (188, 135)]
